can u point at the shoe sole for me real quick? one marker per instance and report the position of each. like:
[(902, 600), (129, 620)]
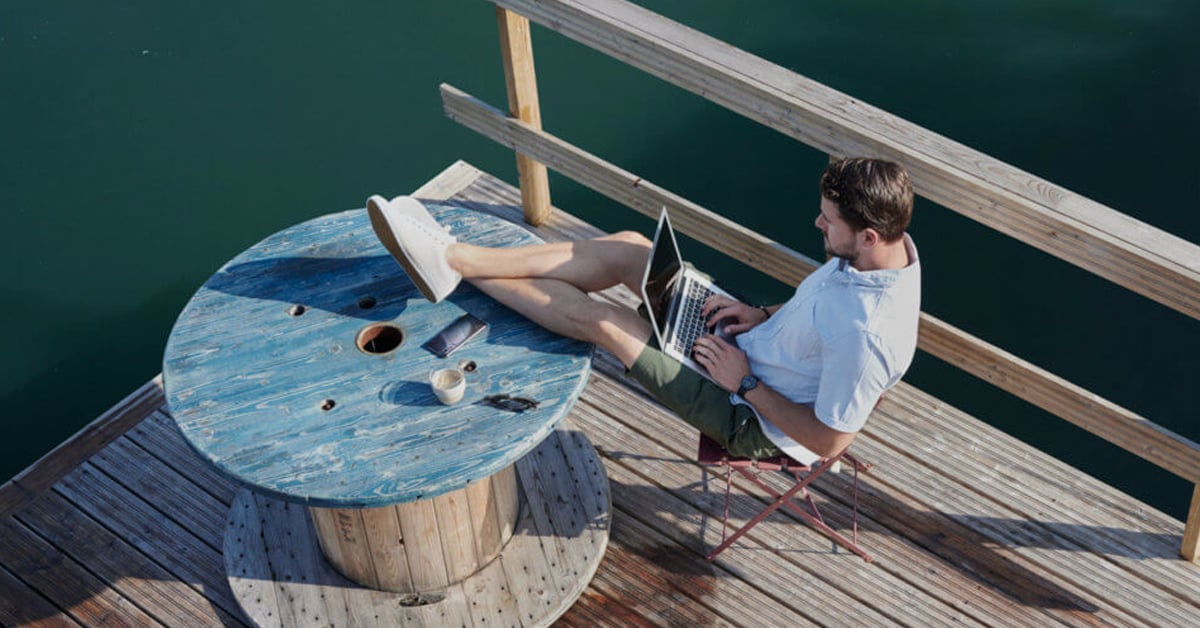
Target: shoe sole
[(383, 231)]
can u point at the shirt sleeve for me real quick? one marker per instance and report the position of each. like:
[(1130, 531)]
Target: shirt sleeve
[(853, 376)]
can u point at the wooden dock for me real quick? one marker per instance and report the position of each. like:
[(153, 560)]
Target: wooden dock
[(123, 524)]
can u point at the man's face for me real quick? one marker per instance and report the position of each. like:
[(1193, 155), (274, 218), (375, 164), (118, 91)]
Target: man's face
[(840, 238)]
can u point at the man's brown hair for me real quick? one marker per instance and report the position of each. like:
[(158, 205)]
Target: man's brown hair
[(870, 193)]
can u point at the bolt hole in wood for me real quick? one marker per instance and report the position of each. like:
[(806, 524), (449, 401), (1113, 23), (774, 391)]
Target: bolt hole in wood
[(379, 338), (328, 405), (297, 310), (367, 303)]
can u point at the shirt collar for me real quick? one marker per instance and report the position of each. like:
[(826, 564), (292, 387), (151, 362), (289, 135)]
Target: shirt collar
[(878, 278)]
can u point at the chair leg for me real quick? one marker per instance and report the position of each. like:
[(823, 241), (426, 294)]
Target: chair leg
[(725, 516), (785, 499)]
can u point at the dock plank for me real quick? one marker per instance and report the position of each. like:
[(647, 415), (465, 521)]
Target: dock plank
[(68, 584), (159, 436), (666, 567), (173, 494), (22, 605), (191, 558), (1032, 562), (120, 565)]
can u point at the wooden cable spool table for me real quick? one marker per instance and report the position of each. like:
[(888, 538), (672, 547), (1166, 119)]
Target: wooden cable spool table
[(297, 369)]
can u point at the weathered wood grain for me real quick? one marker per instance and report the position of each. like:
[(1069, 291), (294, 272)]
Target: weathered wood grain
[(271, 546), (159, 435), (1032, 504), (69, 585), (194, 508), (22, 605), (247, 381), (154, 531), (421, 546), (122, 567), (520, 80), (1191, 535)]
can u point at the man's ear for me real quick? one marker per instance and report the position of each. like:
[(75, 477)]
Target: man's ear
[(870, 237)]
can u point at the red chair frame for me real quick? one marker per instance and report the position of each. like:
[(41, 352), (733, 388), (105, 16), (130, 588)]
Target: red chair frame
[(712, 454)]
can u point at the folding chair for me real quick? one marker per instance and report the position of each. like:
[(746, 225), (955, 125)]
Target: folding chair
[(711, 454)]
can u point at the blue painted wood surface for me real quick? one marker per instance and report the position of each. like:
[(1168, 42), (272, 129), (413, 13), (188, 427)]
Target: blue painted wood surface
[(247, 379)]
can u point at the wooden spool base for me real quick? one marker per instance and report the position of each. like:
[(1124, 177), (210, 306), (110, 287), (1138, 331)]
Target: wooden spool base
[(280, 577), (422, 546)]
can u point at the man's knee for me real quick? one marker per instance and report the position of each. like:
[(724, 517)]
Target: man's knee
[(632, 238), (628, 260)]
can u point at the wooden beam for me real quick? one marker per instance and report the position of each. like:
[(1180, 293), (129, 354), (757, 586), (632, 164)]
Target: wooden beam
[(516, 49), (1191, 532), (1096, 238), (622, 186), (1093, 413)]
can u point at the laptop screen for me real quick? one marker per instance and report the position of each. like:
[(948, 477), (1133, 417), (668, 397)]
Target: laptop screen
[(662, 274)]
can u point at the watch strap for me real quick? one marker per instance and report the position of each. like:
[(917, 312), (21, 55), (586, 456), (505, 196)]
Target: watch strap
[(748, 383)]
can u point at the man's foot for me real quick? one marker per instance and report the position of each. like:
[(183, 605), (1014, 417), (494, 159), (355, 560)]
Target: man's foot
[(416, 241)]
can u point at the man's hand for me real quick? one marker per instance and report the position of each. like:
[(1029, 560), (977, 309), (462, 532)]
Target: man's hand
[(737, 316), (725, 363)]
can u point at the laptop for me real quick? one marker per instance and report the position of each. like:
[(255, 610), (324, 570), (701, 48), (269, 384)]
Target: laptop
[(673, 294)]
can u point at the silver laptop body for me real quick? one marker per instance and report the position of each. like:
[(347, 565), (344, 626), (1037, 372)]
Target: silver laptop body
[(674, 293)]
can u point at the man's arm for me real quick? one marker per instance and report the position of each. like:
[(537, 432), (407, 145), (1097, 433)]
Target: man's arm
[(798, 421), (727, 365)]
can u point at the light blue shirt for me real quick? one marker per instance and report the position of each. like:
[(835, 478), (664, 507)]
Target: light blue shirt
[(838, 344)]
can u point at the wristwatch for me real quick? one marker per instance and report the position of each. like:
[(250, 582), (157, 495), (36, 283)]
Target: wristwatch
[(748, 384)]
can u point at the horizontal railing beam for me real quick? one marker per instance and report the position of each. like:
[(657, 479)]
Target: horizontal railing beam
[(1130, 253), (624, 187), (1107, 420)]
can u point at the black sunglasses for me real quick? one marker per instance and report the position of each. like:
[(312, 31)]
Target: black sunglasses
[(512, 404)]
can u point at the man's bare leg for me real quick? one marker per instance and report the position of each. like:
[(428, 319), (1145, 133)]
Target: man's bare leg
[(548, 283), (564, 309), (589, 265)]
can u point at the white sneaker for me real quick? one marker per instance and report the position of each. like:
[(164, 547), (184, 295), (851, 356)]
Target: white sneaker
[(415, 239), (412, 207)]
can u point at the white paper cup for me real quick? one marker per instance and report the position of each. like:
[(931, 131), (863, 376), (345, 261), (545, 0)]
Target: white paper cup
[(448, 384)]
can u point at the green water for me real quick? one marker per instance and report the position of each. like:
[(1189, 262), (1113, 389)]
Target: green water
[(142, 146)]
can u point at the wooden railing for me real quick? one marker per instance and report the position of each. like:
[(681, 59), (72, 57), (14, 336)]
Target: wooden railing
[(1087, 234)]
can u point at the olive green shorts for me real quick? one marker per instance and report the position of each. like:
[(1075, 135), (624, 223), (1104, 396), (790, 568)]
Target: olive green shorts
[(701, 403)]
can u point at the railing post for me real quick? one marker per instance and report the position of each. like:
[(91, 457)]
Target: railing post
[(1191, 531), (516, 48)]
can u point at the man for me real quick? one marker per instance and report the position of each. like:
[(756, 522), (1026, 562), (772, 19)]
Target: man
[(802, 377)]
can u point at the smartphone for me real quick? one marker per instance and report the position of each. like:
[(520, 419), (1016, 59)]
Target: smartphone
[(455, 335)]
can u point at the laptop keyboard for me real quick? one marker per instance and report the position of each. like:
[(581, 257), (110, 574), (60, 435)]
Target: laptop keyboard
[(691, 323)]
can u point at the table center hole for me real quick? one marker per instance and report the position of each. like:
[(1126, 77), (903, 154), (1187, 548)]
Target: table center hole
[(379, 338)]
